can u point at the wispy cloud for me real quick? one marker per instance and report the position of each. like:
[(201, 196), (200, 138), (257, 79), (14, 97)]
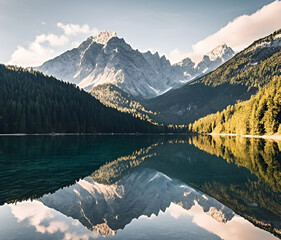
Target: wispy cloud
[(47, 46), (74, 29), (239, 33)]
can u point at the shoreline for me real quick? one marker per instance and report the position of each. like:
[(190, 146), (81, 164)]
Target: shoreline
[(273, 137), (85, 134)]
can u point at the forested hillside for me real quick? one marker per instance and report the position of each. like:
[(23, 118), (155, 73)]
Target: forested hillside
[(237, 79), (113, 96), (31, 102), (259, 115)]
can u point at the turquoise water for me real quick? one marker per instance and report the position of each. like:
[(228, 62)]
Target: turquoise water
[(139, 187)]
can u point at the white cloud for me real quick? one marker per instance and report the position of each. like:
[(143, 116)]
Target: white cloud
[(38, 51), (239, 33), (47, 46), (52, 39), (74, 29), (176, 55), (35, 54)]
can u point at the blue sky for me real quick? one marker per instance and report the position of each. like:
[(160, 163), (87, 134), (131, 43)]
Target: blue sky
[(173, 28)]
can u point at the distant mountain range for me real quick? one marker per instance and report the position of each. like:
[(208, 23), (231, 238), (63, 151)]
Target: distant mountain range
[(107, 59)]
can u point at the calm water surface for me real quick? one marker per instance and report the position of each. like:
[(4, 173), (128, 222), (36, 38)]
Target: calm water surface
[(139, 187)]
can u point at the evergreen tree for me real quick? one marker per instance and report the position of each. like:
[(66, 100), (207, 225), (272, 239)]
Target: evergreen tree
[(257, 116)]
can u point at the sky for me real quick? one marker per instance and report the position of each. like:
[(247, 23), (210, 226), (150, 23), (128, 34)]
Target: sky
[(33, 31)]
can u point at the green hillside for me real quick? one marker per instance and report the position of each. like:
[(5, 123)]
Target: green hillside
[(259, 115), (31, 102)]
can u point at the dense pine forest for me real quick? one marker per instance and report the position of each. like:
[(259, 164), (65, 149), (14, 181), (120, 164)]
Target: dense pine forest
[(258, 116), (31, 102)]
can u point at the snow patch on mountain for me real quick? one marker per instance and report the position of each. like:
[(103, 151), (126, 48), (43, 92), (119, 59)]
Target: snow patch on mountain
[(271, 41), (104, 36)]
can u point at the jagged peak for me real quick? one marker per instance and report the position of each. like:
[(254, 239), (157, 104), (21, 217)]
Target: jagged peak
[(156, 54), (163, 57), (185, 62), (219, 51), (103, 37), (151, 53)]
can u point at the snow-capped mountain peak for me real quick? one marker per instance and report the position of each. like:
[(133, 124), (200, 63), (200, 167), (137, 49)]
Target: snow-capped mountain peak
[(215, 58), (106, 58), (222, 51), (104, 36)]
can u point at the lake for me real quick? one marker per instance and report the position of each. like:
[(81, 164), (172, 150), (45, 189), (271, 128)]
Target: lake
[(140, 187)]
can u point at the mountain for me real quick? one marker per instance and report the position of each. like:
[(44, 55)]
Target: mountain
[(31, 102), (257, 116), (107, 59), (108, 208), (236, 79)]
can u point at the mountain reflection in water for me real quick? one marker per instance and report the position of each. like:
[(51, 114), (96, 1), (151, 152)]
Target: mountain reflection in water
[(171, 188)]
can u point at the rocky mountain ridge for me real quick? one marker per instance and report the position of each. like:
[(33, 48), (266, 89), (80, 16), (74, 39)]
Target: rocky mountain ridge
[(108, 59)]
